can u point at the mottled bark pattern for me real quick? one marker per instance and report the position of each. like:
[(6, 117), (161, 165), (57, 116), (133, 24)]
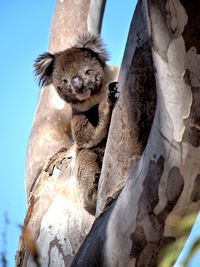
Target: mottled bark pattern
[(196, 191), (149, 236), (94, 243), (175, 185), (156, 168), (164, 182), (57, 242)]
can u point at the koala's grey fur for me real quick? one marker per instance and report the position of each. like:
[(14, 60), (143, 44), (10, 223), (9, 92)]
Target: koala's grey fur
[(80, 77)]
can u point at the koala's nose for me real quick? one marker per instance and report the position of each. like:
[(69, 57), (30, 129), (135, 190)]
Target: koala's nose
[(77, 82)]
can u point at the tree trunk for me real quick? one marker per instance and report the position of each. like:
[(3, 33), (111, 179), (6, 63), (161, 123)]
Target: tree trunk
[(55, 222), (151, 165), (163, 182)]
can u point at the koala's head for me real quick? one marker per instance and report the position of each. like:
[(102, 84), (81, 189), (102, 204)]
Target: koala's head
[(77, 73)]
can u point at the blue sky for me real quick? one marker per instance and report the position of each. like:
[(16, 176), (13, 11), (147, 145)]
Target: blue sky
[(24, 35)]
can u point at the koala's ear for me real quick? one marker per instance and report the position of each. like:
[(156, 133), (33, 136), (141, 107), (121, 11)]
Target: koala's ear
[(92, 42), (43, 69)]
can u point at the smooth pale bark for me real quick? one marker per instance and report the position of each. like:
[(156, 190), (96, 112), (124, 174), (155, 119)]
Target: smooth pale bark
[(55, 216), (163, 182)]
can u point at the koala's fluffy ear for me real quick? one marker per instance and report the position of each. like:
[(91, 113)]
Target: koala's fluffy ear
[(43, 68), (92, 42)]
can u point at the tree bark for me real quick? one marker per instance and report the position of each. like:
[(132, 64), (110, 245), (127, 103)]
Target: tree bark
[(151, 166), (56, 223), (162, 183)]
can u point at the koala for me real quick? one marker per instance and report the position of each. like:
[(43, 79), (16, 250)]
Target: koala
[(81, 77)]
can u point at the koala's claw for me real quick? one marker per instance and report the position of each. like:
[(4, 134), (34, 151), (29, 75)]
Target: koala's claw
[(113, 93)]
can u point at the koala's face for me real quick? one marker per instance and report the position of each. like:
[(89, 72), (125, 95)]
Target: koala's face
[(77, 75)]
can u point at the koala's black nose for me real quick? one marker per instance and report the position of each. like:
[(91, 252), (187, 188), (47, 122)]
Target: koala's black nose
[(77, 82)]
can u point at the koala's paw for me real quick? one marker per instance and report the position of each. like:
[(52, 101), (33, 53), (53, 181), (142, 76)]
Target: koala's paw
[(112, 92), (90, 200), (90, 196)]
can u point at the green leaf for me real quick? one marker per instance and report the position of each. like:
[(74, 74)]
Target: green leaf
[(185, 224), (169, 254), (183, 227), (193, 250)]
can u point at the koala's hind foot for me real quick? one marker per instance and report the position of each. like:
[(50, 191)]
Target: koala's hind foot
[(88, 166)]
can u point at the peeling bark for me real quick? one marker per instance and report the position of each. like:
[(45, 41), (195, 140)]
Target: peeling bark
[(151, 166), (164, 181), (55, 213)]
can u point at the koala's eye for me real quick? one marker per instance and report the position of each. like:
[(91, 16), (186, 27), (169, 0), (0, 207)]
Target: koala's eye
[(64, 81), (89, 71)]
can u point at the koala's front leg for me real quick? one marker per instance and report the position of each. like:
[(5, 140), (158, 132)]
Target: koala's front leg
[(105, 112), (85, 133)]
